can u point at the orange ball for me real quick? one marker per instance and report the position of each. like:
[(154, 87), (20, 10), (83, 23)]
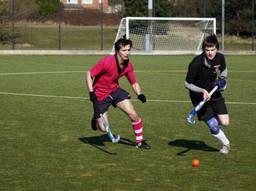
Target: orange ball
[(195, 162)]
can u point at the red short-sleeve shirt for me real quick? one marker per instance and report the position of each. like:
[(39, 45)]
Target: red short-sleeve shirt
[(106, 76)]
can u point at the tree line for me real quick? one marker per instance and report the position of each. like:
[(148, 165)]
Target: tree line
[(238, 14)]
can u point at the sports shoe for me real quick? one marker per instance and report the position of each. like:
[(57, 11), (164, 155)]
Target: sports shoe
[(143, 145), (94, 124), (225, 149)]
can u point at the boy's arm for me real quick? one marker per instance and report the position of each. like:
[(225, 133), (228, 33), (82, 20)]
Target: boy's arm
[(137, 90)]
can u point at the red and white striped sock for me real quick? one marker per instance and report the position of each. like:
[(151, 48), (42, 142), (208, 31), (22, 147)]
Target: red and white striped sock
[(138, 129)]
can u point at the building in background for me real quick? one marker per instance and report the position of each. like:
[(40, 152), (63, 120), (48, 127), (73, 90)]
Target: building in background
[(93, 4)]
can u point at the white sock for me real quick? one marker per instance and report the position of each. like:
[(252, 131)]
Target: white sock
[(221, 137)]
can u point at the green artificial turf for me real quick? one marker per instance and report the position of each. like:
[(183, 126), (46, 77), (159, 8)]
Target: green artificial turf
[(46, 142)]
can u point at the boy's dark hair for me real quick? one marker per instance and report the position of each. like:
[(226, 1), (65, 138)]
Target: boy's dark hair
[(122, 42), (210, 41)]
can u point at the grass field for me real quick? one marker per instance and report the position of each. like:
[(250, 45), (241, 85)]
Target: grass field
[(36, 36), (46, 142), (46, 37)]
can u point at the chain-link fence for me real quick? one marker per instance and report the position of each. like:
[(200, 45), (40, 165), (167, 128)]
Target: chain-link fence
[(71, 28), (75, 27)]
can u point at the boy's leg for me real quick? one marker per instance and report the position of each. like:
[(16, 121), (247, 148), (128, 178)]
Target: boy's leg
[(96, 123), (127, 107), (224, 119), (218, 134), (100, 107), (100, 122)]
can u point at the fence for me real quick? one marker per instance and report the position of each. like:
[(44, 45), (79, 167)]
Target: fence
[(77, 28)]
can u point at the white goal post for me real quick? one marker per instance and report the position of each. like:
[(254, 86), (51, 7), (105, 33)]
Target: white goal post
[(166, 35)]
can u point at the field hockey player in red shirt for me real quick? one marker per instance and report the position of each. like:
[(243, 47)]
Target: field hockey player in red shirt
[(104, 90)]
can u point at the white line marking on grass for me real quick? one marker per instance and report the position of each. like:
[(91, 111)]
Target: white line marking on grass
[(184, 71), (244, 71), (86, 98), (32, 73), (38, 95), (160, 71), (179, 101), (161, 100), (139, 71), (239, 103)]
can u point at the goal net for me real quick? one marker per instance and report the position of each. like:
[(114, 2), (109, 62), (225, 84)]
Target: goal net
[(166, 35)]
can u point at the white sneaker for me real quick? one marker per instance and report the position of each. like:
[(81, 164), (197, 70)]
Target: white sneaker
[(225, 149)]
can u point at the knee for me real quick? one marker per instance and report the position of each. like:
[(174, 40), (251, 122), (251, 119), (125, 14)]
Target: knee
[(103, 129), (225, 123), (224, 120), (101, 125), (134, 117), (213, 126)]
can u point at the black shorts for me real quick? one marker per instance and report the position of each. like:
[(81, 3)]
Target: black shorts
[(212, 108), (114, 98)]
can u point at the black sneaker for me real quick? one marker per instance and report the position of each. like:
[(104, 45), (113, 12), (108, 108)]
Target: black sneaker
[(94, 124), (143, 145)]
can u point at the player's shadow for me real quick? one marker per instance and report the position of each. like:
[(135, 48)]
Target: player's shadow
[(99, 141), (191, 145)]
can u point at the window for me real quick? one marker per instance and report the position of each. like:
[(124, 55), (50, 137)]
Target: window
[(72, 1), (87, 1)]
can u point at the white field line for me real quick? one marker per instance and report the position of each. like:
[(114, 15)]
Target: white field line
[(39, 95), (86, 98), (184, 71), (139, 71), (33, 73)]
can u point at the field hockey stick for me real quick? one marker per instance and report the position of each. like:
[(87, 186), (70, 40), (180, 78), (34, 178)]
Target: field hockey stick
[(198, 107), (110, 135)]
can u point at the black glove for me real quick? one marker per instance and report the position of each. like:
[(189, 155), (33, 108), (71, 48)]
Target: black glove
[(221, 83), (142, 98), (93, 97)]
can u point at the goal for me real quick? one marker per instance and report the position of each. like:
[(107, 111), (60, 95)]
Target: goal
[(166, 35)]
